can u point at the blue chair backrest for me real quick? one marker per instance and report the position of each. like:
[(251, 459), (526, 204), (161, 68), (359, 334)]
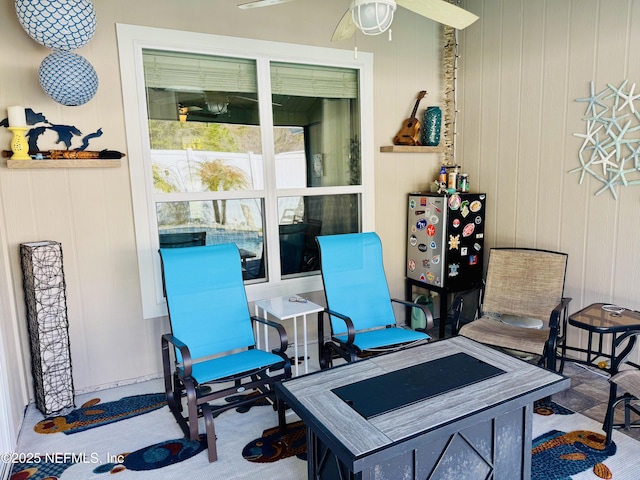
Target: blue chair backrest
[(206, 298), (354, 280)]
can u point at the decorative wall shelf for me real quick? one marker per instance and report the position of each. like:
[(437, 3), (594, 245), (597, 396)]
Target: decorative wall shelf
[(411, 149), (63, 163)]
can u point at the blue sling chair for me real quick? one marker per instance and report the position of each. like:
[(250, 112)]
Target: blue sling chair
[(359, 306), (213, 339)]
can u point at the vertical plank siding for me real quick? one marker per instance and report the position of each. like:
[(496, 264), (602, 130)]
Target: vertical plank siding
[(524, 64)]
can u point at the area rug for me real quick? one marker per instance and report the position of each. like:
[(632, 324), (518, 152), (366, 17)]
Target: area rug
[(129, 433)]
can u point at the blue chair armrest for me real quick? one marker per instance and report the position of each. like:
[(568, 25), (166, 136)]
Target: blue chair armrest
[(281, 331), (167, 339), (351, 331), (424, 308)]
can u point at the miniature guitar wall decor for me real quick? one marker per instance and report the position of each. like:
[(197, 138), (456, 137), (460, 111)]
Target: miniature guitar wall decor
[(409, 134)]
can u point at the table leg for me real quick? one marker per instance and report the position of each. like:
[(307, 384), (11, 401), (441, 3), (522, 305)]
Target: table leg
[(589, 348), (265, 331), (257, 328), (295, 343), (266, 336), (304, 330)]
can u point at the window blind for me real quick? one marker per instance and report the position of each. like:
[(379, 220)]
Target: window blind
[(189, 72), (195, 72)]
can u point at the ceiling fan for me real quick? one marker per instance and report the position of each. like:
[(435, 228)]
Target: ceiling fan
[(373, 17)]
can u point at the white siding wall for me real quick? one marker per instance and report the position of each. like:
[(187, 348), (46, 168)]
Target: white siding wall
[(523, 65)]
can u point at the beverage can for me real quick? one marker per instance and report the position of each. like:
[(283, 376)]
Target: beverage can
[(443, 175), (453, 180), (463, 183)]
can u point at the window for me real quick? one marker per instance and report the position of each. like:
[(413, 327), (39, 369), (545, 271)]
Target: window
[(230, 141)]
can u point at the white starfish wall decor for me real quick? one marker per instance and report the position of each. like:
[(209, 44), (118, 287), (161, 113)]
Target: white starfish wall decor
[(616, 150)]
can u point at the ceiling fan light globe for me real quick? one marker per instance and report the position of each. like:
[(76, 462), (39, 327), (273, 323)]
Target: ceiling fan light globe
[(373, 17)]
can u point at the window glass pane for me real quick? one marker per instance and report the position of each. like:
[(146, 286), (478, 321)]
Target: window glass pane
[(189, 170), (291, 167), (205, 137), (322, 104), (218, 221), (304, 218), (204, 131)]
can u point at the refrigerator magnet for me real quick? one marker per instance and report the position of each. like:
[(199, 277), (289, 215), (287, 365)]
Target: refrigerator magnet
[(476, 205), (464, 208), (468, 229)]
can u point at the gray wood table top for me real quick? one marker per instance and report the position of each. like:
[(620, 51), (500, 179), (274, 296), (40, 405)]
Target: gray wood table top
[(314, 400)]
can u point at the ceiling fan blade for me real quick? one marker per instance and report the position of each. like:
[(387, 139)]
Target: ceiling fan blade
[(262, 3), (345, 29), (440, 11)]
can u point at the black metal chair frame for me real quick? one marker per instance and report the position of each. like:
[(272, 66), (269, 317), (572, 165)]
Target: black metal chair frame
[(630, 338), (336, 348), (180, 383)]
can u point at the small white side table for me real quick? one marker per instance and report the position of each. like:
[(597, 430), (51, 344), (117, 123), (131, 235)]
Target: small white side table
[(283, 309)]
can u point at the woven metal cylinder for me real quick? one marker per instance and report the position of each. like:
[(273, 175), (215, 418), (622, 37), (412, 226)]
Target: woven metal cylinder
[(48, 325)]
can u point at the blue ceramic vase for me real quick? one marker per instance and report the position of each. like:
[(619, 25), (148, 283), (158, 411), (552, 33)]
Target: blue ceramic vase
[(431, 126)]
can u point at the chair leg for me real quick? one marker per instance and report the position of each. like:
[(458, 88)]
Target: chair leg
[(607, 426), (563, 353), (211, 432), (324, 356), (627, 413), (169, 392), (192, 409)]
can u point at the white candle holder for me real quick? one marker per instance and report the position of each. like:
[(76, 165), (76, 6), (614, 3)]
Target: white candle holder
[(19, 144)]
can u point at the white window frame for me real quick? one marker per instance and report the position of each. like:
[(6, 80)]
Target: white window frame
[(132, 40)]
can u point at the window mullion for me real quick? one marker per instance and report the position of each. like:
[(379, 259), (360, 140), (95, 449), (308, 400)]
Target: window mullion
[(303, 192), (269, 163), (204, 196)]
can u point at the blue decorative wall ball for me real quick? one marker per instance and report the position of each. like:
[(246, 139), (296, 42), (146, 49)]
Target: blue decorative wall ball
[(58, 24), (68, 78)]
